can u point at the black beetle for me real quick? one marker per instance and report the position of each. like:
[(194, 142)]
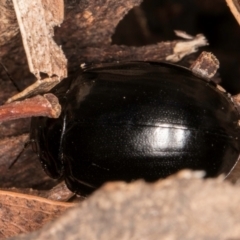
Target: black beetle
[(136, 120)]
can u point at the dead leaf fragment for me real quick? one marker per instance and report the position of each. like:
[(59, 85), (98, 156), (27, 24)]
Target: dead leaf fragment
[(20, 213)]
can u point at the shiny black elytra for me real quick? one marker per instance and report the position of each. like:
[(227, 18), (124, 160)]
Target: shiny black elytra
[(136, 120)]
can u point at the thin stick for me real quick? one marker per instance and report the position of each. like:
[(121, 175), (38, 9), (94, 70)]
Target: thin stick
[(234, 6), (46, 105)]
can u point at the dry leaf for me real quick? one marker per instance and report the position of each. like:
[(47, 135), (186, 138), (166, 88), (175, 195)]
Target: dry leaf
[(60, 193), (20, 213)]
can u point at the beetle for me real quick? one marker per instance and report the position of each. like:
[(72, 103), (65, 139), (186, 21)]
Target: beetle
[(126, 121)]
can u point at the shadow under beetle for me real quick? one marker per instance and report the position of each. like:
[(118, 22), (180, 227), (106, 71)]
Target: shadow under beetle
[(136, 120)]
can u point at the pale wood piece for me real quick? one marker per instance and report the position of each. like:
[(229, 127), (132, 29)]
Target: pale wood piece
[(39, 87), (234, 6), (36, 20), (205, 66)]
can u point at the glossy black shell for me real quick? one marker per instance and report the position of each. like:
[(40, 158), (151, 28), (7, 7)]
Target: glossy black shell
[(136, 120)]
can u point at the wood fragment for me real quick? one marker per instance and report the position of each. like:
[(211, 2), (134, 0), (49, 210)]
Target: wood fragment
[(36, 20), (183, 34), (163, 51), (205, 66), (46, 105), (39, 87), (220, 88), (59, 193), (234, 6), (184, 48)]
